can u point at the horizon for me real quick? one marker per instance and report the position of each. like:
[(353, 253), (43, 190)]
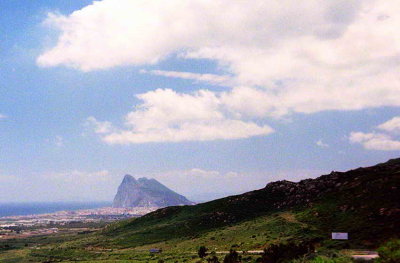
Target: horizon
[(209, 97)]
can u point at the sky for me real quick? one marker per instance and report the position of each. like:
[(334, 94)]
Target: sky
[(210, 97)]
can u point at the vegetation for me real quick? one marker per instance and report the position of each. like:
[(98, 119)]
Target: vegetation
[(389, 252), (232, 257), (285, 220), (202, 252), (284, 252)]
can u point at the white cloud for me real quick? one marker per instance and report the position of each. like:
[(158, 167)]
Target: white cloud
[(222, 80), (168, 116), (384, 141), (392, 125), (99, 127), (375, 141), (313, 56), (2, 116), (321, 144), (253, 102), (200, 172)]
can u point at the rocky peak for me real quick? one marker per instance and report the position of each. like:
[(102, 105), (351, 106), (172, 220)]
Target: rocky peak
[(144, 192), (129, 179)]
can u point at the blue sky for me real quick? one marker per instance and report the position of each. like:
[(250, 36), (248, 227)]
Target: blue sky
[(208, 102)]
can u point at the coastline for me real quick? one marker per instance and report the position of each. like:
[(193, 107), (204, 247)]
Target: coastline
[(81, 215)]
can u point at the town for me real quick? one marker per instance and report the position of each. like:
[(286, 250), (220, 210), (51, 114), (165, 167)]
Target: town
[(75, 221)]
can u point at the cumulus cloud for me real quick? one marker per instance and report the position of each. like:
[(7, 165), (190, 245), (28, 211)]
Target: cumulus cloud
[(167, 116), (378, 140), (222, 80), (321, 144), (392, 126), (375, 141), (100, 127), (312, 56), (323, 54)]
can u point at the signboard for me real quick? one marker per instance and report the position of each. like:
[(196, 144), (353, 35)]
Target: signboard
[(337, 235)]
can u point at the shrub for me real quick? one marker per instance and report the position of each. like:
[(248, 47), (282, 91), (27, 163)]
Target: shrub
[(213, 259), (202, 252), (284, 252), (232, 257), (389, 252)]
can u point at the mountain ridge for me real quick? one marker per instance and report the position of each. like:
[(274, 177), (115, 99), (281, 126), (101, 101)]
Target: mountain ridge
[(362, 201)]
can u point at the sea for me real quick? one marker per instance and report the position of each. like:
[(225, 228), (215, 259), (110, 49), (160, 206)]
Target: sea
[(19, 209)]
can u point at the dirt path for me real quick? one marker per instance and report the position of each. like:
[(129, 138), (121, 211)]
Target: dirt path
[(365, 255)]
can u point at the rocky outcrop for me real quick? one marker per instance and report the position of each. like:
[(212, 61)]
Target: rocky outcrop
[(145, 192), (361, 181), (364, 202), (372, 191)]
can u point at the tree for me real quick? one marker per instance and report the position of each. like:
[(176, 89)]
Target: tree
[(202, 252), (278, 253), (232, 257), (213, 259)]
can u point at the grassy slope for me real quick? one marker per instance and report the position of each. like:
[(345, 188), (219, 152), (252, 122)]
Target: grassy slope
[(363, 202), (246, 235)]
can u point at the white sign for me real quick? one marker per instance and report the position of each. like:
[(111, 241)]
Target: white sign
[(336, 235)]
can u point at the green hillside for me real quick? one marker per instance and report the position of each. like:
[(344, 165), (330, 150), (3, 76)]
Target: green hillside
[(363, 202)]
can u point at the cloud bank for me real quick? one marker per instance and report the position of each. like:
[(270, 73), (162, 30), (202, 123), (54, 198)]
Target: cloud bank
[(209, 78), (392, 125), (380, 141), (284, 58), (168, 116)]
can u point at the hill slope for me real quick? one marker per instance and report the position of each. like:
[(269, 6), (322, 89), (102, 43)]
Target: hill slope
[(145, 192), (364, 202)]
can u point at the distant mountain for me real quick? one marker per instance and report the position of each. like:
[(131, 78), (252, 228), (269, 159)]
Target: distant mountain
[(364, 202), (145, 192)]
